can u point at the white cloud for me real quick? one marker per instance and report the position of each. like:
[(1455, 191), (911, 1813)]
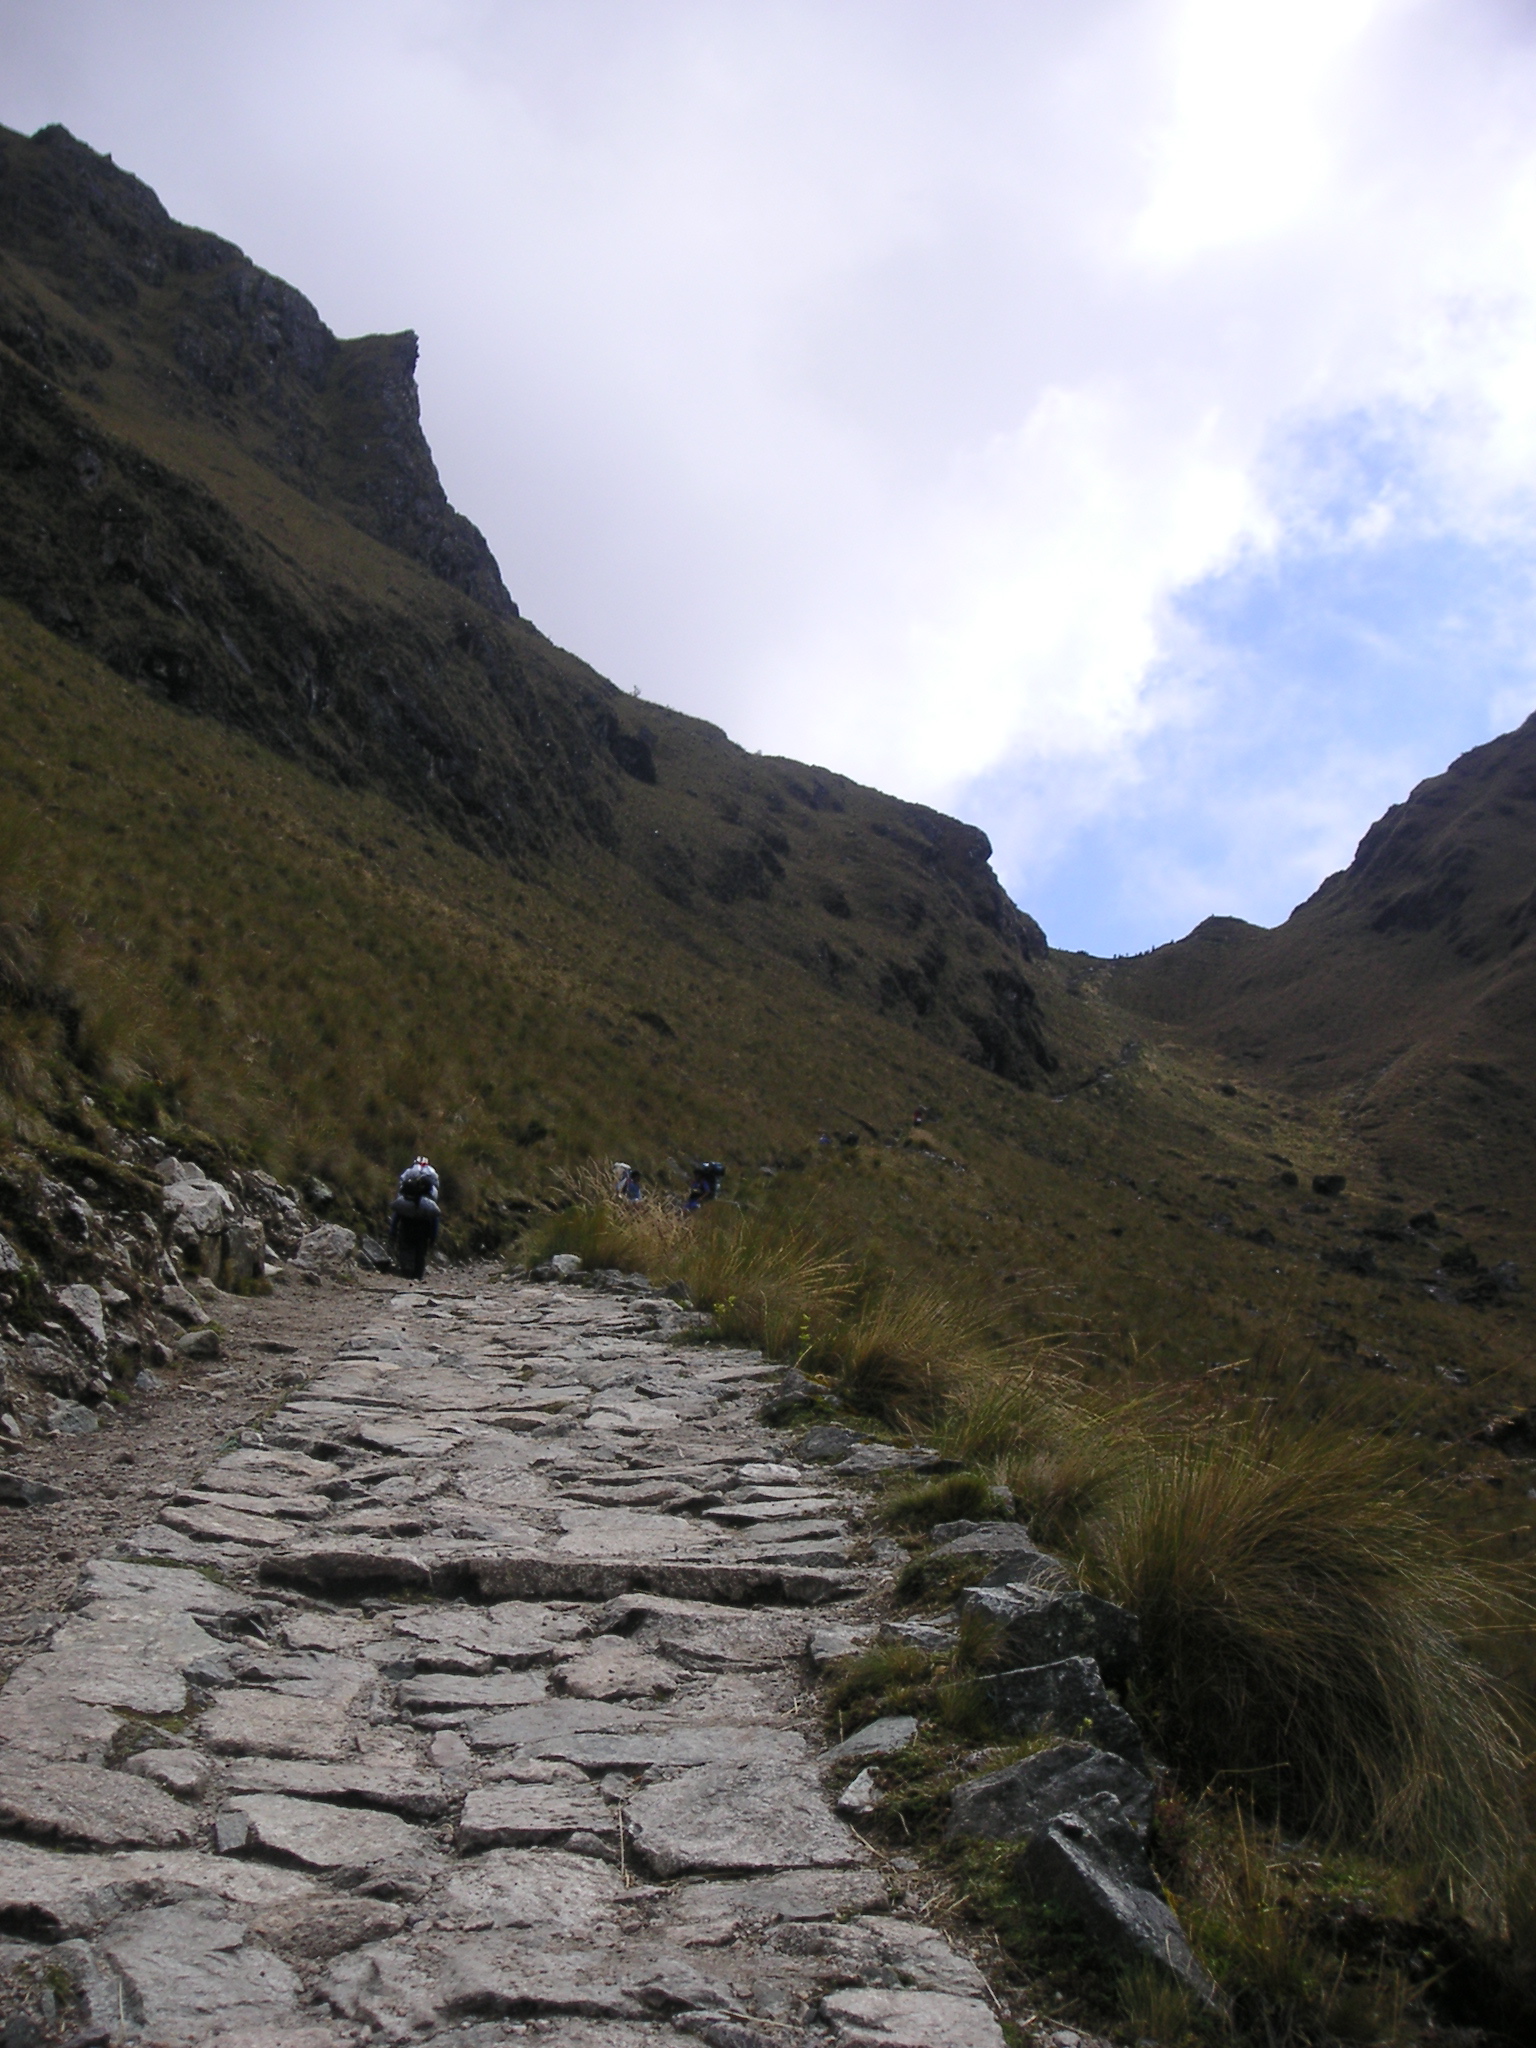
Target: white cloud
[(873, 379)]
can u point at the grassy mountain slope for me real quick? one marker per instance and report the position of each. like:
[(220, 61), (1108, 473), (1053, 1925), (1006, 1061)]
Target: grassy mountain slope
[(311, 976), (1404, 990), (315, 852), (323, 853), (204, 488)]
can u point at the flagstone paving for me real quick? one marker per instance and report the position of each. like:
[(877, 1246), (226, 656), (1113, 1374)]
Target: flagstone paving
[(466, 1698)]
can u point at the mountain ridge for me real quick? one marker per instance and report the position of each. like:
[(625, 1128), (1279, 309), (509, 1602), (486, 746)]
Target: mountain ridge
[(1405, 985), (206, 489)]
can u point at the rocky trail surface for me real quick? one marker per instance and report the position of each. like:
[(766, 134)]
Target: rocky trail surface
[(463, 1695)]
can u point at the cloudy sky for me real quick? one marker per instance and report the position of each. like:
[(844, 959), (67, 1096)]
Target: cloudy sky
[(1111, 420)]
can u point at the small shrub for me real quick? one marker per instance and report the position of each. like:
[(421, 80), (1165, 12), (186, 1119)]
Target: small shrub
[(956, 1497), (934, 1581), (887, 1678)]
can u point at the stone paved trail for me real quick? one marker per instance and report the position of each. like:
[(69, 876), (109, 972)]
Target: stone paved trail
[(485, 1717)]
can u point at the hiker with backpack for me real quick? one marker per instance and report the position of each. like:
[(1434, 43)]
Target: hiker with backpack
[(414, 1217), (419, 1179), (705, 1184)]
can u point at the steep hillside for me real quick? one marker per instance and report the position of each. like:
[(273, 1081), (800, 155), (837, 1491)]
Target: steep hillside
[(203, 487), (319, 851), (1404, 991)]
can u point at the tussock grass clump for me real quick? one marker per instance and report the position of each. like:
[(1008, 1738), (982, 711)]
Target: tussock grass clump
[(585, 1216), (1304, 1630), (779, 1288), (1032, 1428), (956, 1497), (902, 1354), (776, 1288)]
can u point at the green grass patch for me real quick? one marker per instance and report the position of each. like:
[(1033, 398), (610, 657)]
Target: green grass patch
[(954, 1497)]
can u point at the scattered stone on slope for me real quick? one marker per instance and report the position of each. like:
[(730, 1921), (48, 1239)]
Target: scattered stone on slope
[(17, 1492), (514, 1815), (82, 1305), (859, 1797), (325, 1248), (982, 1539), (255, 1723), (1039, 1627), (618, 1671), (1063, 1697), (828, 1645), (397, 1787), (910, 2019), (543, 1888), (878, 1948), (826, 1443), (788, 1895), (314, 1929), (318, 1835), (1023, 1797), (876, 1738), (1089, 1865), (57, 1896), (873, 1461), (187, 1968), (182, 1772), (447, 1692)]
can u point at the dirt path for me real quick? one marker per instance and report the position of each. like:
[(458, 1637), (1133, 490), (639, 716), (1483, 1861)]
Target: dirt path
[(119, 1475), (452, 1683)]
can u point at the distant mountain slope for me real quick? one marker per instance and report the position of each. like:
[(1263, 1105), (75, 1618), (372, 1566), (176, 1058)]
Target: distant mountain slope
[(1406, 987), (204, 488)]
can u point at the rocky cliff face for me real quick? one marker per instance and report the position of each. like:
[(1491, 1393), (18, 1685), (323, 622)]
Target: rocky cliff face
[(337, 417), (206, 489)]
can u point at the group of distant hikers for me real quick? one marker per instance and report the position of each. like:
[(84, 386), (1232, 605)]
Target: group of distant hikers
[(702, 1188), (415, 1217)]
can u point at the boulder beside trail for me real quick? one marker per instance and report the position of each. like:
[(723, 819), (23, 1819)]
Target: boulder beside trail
[(325, 1248), (1066, 1696), (1036, 1626), (1085, 1864), (1025, 1797)]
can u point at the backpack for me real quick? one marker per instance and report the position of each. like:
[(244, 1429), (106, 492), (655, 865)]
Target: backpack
[(415, 1184)]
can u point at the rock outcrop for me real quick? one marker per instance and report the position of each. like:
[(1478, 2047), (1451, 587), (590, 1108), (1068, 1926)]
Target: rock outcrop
[(110, 1274)]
